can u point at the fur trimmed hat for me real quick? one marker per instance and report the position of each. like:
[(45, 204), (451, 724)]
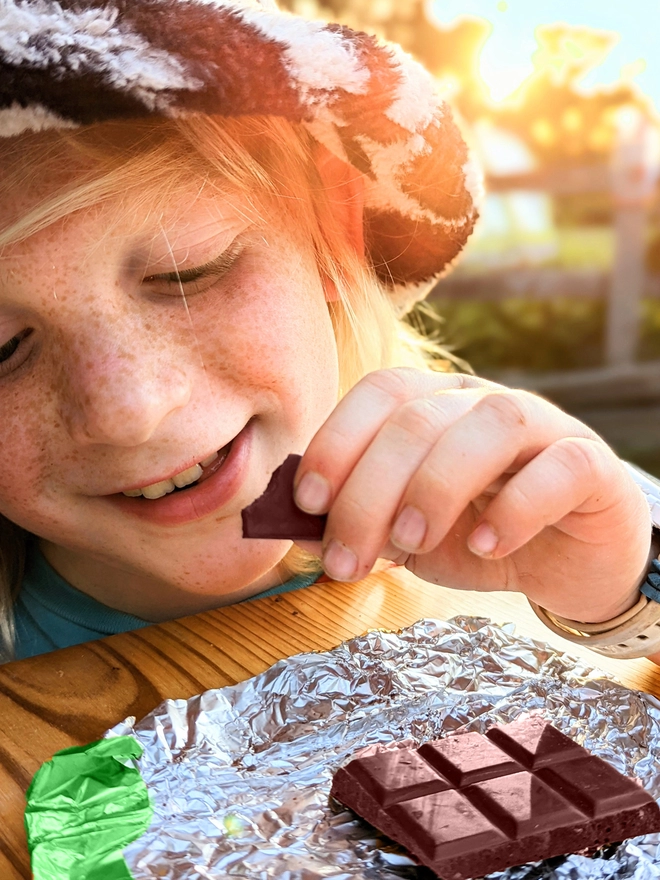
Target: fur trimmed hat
[(67, 63)]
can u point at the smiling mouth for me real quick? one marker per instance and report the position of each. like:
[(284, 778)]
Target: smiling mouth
[(189, 478)]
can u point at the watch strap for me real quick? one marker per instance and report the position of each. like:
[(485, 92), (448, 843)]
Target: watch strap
[(636, 636), (651, 586)]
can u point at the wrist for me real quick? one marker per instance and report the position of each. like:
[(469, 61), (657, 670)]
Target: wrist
[(635, 631), (597, 598), (628, 600)]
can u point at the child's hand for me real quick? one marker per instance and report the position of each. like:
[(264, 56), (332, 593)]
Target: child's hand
[(514, 493)]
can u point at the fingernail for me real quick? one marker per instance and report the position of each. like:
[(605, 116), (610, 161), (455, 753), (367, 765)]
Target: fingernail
[(483, 540), (313, 493), (409, 529), (339, 561)]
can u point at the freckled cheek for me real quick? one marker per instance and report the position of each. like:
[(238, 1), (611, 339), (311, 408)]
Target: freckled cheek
[(276, 338), (32, 446), (26, 492), (26, 497)]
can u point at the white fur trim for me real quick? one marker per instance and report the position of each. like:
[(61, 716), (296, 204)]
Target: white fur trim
[(474, 180), (325, 132), (89, 40), (387, 162), (15, 120), (238, 5), (315, 56), (415, 101)]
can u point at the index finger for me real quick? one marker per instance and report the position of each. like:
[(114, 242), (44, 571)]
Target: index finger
[(344, 437)]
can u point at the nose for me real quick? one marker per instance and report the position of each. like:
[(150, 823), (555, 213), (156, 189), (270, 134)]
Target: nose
[(118, 389)]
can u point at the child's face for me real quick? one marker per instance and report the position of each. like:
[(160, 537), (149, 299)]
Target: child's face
[(123, 382)]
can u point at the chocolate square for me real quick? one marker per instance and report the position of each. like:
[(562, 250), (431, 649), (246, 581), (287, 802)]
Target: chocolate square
[(276, 515)]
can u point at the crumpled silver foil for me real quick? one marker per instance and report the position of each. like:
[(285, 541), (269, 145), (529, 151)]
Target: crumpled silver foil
[(240, 776)]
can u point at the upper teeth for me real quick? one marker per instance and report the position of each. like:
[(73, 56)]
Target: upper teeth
[(178, 481)]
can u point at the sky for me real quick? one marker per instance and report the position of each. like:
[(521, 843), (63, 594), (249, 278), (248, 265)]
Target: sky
[(506, 57)]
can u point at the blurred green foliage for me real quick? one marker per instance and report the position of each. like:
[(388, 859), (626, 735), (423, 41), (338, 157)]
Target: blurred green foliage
[(649, 348), (583, 209), (653, 251), (585, 247), (567, 247), (532, 335)]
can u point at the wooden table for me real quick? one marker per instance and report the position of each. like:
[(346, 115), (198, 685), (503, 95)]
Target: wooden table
[(73, 696)]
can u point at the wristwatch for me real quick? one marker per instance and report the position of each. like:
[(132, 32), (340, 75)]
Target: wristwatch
[(636, 632)]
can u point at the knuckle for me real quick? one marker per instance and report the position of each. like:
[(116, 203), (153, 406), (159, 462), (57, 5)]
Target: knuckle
[(349, 508), (583, 458), (395, 382), (336, 435), (433, 483), (521, 499), (420, 417), (467, 381), (507, 407)]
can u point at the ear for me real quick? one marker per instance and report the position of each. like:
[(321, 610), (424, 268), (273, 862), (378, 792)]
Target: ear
[(344, 186)]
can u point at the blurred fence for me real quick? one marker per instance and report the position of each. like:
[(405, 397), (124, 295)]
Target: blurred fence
[(538, 283), (620, 399)]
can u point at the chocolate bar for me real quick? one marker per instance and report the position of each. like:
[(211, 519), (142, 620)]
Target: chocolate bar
[(471, 804), (276, 515)]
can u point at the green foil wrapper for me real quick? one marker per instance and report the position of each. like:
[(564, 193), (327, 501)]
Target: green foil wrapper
[(83, 807)]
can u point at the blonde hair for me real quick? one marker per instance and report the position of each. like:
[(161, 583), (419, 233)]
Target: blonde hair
[(269, 160)]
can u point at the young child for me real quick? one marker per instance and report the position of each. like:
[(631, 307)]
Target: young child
[(213, 215)]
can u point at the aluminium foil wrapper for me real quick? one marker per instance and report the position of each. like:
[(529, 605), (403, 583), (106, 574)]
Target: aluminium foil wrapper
[(240, 776)]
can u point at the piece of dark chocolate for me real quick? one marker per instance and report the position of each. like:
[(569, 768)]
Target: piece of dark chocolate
[(276, 515), (471, 804)]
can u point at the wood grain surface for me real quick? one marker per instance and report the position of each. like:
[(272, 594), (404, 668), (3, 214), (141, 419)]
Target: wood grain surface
[(73, 696)]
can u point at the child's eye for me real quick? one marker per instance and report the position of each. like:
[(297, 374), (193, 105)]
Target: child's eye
[(14, 352), (198, 278)]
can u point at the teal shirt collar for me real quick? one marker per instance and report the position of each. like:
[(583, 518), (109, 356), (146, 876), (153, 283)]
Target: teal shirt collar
[(51, 614)]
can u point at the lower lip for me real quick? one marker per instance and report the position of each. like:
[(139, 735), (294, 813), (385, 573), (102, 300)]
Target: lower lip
[(206, 497)]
